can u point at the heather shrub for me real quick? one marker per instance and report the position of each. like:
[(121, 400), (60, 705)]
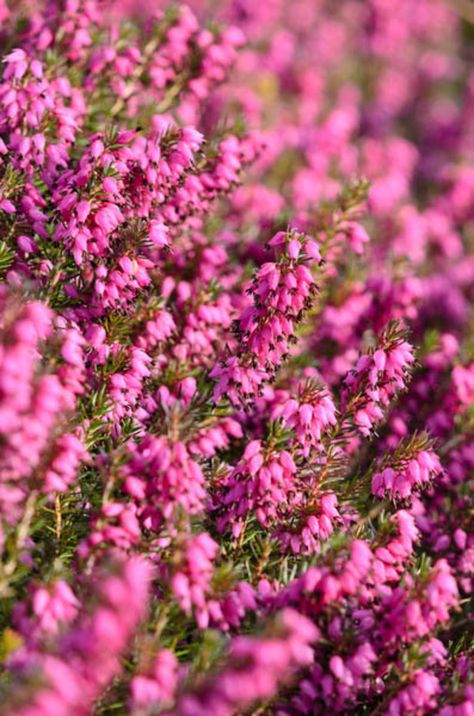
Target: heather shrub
[(236, 358)]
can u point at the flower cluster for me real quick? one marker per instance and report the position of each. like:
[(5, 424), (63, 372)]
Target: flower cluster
[(80, 663), (370, 386), (409, 470), (255, 668), (310, 414), (281, 293)]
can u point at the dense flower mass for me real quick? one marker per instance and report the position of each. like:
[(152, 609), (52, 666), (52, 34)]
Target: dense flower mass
[(236, 357)]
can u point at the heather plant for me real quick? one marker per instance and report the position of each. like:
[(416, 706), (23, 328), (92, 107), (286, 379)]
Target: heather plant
[(236, 358)]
